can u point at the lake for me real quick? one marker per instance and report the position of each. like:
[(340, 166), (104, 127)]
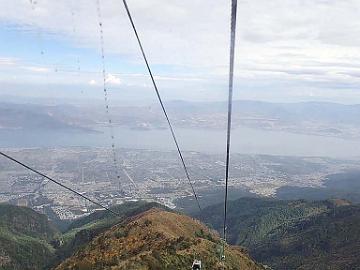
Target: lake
[(244, 140)]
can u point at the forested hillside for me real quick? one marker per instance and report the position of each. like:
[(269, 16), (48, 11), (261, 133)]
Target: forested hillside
[(143, 236), (25, 238), (293, 234)]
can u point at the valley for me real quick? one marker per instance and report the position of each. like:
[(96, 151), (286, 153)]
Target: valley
[(156, 176)]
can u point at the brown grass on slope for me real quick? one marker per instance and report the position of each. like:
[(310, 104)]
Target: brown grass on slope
[(157, 239)]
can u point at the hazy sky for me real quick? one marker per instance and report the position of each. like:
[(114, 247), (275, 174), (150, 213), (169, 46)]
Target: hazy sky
[(287, 50)]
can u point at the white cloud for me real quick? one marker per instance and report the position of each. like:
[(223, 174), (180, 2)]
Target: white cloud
[(7, 61), (194, 34), (92, 82), (112, 79), (293, 42), (36, 69)]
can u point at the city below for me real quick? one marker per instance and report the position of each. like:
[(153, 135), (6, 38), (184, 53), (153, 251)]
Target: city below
[(151, 175)]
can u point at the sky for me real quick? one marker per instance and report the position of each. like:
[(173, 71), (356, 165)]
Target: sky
[(287, 50)]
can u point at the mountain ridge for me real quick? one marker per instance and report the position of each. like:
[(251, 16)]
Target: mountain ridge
[(25, 238), (157, 239), (295, 234)]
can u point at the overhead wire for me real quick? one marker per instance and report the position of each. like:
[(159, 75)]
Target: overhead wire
[(106, 98), (161, 102), (229, 119), (230, 97), (58, 183), (78, 68)]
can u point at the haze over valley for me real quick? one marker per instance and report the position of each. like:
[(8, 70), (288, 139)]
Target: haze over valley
[(299, 129), (156, 176), (163, 135), (278, 150)]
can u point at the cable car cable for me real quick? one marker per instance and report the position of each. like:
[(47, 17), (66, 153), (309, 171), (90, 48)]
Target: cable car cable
[(161, 102), (58, 183), (106, 96), (228, 138)]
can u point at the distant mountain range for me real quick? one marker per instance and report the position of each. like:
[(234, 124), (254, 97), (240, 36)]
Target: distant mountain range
[(319, 118), (42, 117), (294, 234), (326, 119)]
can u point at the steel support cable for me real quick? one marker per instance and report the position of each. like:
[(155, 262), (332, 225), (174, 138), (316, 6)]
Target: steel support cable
[(228, 138), (74, 36), (58, 183), (106, 96), (161, 102)]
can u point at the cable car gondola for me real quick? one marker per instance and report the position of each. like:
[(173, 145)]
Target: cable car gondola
[(196, 265)]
